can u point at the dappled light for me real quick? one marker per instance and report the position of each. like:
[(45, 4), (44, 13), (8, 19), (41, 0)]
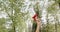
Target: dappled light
[(29, 15)]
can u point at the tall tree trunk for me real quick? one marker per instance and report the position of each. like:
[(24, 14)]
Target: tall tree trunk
[(13, 25), (47, 24), (55, 23), (13, 22)]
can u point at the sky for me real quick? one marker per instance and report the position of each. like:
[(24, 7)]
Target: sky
[(2, 14)]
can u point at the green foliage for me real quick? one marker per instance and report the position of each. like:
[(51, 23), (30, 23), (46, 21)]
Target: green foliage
[(2, 25), (37, 9), (12, 8), (2, 21), (17, 18), (52, 8), (12, 1)]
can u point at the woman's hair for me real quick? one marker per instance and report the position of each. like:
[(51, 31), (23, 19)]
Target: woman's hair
[(34, 27)]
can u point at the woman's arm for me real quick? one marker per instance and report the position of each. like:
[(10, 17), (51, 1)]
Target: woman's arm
[(38, 25), (37, 29), (37, 20)]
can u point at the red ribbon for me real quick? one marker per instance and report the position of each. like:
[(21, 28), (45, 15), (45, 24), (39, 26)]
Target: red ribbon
[(35, 17)]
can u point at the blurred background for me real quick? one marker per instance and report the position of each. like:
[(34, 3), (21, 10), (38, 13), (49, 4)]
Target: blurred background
[(16, 15)]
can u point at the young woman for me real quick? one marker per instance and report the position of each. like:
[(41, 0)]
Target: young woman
[(36, 27)]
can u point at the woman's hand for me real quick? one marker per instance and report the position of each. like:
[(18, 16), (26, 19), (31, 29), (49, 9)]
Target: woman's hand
[(38, 24)]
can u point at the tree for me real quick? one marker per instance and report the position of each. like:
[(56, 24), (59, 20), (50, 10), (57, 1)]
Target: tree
[(52, 9), (2, 25), (12, 8)]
